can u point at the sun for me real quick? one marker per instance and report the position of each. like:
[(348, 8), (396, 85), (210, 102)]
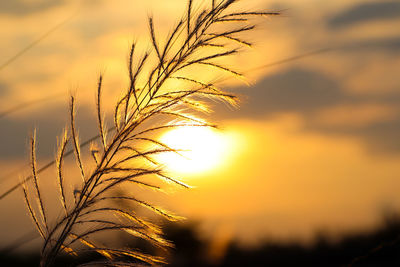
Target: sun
[(203, 148)]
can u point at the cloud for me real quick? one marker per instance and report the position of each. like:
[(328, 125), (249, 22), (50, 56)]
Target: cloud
[(390, 45), (366, 12), (310, 93), (3, 89), (381, 137), (295, 90), (14, 134), (21, 7), (89, 28)]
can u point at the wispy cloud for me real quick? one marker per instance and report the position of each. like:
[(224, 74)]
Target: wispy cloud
[(22, 8), (366, 12)]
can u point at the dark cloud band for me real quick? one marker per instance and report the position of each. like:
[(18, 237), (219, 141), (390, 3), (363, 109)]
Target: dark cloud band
[(366, 12)]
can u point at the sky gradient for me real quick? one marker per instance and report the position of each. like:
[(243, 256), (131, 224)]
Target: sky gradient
[(317, 137)]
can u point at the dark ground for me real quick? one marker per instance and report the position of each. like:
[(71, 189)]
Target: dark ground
[(380, 247)]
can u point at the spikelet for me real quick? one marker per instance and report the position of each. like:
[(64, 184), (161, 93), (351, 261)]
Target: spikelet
[(123, 157)]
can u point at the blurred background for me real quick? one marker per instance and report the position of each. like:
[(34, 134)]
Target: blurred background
[(313, 152)]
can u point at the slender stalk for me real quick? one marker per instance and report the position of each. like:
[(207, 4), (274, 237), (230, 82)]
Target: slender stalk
[(143, 103)]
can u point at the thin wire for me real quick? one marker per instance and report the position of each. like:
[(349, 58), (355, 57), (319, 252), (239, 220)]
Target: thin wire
[(30, 236), (35, 42), (28, 104), (294, 58), (25, 238), (283, 61)]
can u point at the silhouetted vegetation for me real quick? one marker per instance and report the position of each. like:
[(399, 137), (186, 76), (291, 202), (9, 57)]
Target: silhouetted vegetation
[(125, 154), (379, 247)]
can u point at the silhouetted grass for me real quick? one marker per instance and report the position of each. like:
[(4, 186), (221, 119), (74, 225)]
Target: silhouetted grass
[(148, 106)]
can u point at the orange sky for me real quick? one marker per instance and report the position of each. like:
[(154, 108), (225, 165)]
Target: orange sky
[(318, 142)]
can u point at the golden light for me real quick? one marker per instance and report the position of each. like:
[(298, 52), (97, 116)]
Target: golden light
[(204, 149)]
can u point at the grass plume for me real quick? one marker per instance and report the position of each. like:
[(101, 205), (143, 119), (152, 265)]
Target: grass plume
[(148, 106)]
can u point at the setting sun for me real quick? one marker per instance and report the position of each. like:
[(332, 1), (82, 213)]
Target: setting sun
[(204, 149)]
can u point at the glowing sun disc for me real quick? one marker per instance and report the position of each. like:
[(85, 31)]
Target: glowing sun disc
[(204, 149)]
